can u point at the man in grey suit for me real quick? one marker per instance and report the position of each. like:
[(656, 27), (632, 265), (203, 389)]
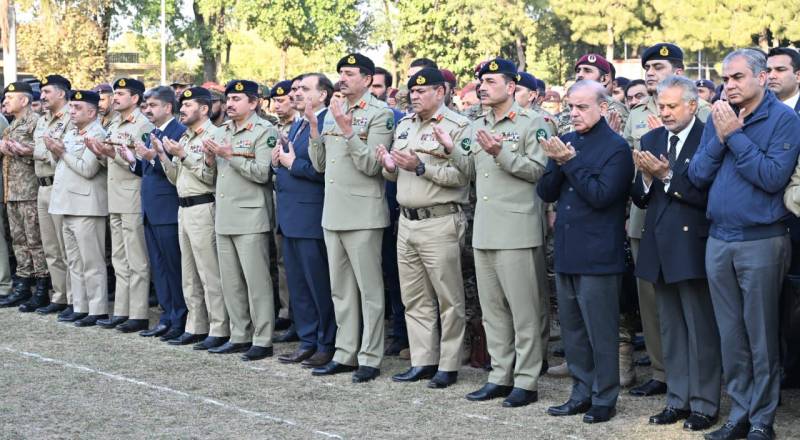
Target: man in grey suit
[(81, 196)]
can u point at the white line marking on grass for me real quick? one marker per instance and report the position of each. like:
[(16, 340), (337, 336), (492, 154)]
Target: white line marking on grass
[(202, 399), (491, 419)]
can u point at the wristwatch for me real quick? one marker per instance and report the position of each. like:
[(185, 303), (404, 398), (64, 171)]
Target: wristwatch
[(420, 170), (667, 179)]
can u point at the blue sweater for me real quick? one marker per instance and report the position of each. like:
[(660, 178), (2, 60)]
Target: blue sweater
[(749, 172), (592, 193)]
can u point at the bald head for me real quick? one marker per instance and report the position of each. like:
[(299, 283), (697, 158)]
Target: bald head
[(589, 86)]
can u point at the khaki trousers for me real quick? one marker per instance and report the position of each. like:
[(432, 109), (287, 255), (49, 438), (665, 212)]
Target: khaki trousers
[(354, 258), (283, 286), (247, 287), (429, 263), (131, 266), (202, 287), (85, 244), (51, 229), (509, 295), (651, 325)]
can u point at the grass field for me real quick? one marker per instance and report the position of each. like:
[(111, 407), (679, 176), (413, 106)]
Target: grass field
[(59, 381)]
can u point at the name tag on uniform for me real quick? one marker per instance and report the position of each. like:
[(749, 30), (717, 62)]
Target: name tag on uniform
[(510, 136), (360, 122), (244, 144), (403, 135), (427, 137)]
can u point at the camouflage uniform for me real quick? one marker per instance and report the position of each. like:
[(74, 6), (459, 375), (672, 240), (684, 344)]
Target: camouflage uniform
[(20, 192), (565, 124)]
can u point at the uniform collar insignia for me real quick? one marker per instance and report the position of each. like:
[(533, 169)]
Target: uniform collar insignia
[(512, 115), (439, 117), (362, 104), (82, 132)]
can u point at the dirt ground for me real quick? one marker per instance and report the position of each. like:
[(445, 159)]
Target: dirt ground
[(62, 382)]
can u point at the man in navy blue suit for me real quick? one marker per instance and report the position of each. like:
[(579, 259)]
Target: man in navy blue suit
[(672, 257), (160, 209), (589, 174), (301, 190)]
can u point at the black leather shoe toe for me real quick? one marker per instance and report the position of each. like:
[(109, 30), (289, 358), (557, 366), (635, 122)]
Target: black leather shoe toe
[(415, 374), (570, 408), (443, 379), (520, 397), (490, 391)]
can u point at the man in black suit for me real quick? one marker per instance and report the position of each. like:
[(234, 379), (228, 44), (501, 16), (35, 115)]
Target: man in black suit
[(672, 257)]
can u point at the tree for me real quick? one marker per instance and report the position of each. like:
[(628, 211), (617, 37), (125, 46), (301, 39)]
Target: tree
[(306, 24)]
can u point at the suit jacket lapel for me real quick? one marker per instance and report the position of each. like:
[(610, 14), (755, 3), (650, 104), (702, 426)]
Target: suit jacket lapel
[(689, 147)]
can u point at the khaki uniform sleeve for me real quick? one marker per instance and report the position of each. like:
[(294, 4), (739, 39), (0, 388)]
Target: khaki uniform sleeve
[(381, 131), (450, 174), (258, 169), (791, 196), (529, 165)]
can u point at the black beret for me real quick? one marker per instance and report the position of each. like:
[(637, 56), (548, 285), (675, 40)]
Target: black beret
[(526, 80), (499, 65), (282, 88), (85, 96), (37, 96), (19, 86), (56, 80), (426, 77), (131, 84), (194, 93), (242, 86), (662, 51), (541, 86), (356, 60), (622, 81), (707, 83)]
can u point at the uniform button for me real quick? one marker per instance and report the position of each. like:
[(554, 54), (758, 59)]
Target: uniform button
[(485, 174), (221, 195), (492, 131), (485, 198), (569, 189), (514, 147), (333, 160), (222, 175), (568, 207), (497, 163), (331, 181), (685, 229)]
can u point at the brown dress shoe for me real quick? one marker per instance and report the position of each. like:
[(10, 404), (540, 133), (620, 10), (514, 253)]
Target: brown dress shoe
[(296, 356), (319, 359)]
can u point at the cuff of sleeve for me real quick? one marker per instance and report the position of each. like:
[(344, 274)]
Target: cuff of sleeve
[(237, 162), (504, 158), (738, 142), (571, 164)]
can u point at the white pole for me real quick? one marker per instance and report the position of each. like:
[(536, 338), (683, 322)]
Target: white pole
[(163, 43), (10, 56)]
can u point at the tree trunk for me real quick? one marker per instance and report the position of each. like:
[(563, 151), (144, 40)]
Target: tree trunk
[(209, 53), (610, 42), (764, 40), (521, 44)]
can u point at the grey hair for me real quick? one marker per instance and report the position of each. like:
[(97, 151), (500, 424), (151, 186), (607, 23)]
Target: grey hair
[(600, 91), (687, 85), (756, 59), (164, 94)]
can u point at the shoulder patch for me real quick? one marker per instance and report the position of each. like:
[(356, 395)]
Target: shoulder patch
[(541, 135), (466, 143), (272, 141), (390, 123)]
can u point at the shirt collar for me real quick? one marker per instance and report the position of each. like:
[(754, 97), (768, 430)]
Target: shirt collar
[(792, 101), (683, 134), (164, 126)]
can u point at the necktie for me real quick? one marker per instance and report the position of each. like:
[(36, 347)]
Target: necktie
[(671, 153)]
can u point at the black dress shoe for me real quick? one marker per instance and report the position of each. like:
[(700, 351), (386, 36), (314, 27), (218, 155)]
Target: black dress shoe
[(66, 312), (133, 325), (729, 431), (289, 335), (158, 330), (89, 321), (599, 414), (571, 408), (186, 339), (490, 391), (650, 388), (761, 432), (72, 317), (211, 342), (396, 347), (112, 322), (669, 416), (443, 379), (51, 308), (256, 353), (699, 422), (415, 374), (332, 367), (282, 324), (230, 347), (520, 397), (365, 374), (319, 359), (173, 333), (296, 356)]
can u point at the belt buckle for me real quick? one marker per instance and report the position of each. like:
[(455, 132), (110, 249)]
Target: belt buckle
[(413, 214)]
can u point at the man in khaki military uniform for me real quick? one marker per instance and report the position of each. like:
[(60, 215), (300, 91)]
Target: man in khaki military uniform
[(128, 254), (105, 107), (430, 192), (244, 209), (202, 288), (80, 198), (658, 61), (5, 263), (596, 68), (506, 161), (354, 215), (20, 188), (53, 124)]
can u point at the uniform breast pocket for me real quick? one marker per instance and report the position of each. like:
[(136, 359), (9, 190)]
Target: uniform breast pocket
[(81, 191), (372, 191)]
